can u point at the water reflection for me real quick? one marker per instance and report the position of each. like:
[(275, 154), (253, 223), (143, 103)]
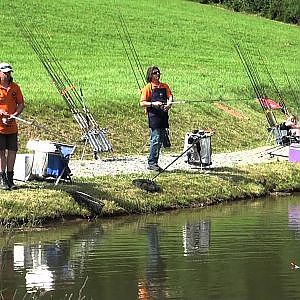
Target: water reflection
[(43, 264), (196, 237), (294, 218), (193, 254), (152, 286)]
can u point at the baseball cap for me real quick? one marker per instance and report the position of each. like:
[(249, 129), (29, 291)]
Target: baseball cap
[(5, 67)]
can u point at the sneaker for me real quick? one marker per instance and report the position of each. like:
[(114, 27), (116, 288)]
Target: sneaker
[(154, 168)]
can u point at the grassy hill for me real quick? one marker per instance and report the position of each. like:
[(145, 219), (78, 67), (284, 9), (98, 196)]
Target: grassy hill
[(190, 42)]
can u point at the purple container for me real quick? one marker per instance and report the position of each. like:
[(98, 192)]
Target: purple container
[(294, 152)]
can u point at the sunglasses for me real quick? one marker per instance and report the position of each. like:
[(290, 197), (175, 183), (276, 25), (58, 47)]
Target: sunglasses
[(155, 73)]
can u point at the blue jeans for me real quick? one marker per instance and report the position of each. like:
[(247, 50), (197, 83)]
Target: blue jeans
[(156, 140)]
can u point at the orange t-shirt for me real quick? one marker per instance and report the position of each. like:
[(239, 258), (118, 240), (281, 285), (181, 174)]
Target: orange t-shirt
[(149, 87), (10, 98)]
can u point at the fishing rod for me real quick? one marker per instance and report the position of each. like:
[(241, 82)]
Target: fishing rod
[(74, 100), (128, 56), (209, 100), (296, 99), (20, 119), (263, 99), (132, 47), (66, 88), (250, 72), (130, 51), (282, 101), (256, 83), (46, 62), (57, 74), (31, 123)]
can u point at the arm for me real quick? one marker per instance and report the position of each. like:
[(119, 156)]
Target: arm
[(169, 100), (19, 109), (145, 103), (145, 100), (19, 103)]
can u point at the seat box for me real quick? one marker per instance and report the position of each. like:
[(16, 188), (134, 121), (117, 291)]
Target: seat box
[(294, 152)]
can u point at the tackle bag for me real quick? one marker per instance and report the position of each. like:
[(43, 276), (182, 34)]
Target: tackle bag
[(281, 135), (199, 142)]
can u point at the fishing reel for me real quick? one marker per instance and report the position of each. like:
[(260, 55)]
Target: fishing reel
[(197, 135), (197, 148)]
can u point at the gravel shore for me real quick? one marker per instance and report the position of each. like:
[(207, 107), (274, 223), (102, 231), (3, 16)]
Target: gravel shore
[(138, 164)]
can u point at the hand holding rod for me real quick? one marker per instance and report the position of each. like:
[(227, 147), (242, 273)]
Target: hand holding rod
[(21, 120)]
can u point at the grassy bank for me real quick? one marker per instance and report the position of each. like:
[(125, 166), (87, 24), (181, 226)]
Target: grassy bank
[(192, 44), (38, 203)]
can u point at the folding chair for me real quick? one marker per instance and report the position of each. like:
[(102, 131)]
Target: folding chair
[(58, 162)]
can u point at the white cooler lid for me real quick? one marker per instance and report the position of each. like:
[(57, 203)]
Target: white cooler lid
[(41, 146)]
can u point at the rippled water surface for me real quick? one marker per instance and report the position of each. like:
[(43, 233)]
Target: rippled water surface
[(233, 251)]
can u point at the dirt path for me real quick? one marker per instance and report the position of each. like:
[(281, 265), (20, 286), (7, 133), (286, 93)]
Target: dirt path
[(138, 164)]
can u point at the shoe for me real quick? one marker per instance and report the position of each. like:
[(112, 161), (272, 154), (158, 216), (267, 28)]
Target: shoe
[(154, 168), (4, 182), (10, 179)]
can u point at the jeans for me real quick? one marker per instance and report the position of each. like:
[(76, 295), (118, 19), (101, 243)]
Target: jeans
[(156, 140)]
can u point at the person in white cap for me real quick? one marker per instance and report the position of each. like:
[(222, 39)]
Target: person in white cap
[(11, 105)]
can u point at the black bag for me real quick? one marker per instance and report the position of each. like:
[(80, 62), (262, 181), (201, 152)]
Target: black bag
[(166, 140)]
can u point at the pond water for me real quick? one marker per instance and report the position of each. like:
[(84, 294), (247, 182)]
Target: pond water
[(232, 251)]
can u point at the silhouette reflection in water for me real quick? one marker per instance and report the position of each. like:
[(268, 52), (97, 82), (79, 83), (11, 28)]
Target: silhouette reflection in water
[(43, 264), (39, 266), (196, 237), (152, 286), (294, 219)]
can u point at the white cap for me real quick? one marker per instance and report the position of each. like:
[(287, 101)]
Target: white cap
[(5, 67)]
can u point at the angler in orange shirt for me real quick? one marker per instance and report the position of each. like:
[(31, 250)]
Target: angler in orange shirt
[(156, 98), (11, 105)]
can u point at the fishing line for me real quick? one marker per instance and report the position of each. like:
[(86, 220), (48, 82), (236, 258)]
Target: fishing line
[(209, 100)]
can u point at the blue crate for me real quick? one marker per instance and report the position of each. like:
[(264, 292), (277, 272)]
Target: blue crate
[(57, 163)]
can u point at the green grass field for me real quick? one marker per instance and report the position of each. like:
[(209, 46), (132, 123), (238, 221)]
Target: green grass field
[(192, 45)]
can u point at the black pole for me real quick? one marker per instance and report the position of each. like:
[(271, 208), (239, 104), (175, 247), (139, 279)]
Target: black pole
[(132, 47), (127, 55), (282, 101)]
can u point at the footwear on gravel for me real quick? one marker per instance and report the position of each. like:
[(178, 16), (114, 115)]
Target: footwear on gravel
[(10, 179), (154, 168), (4, 182)]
